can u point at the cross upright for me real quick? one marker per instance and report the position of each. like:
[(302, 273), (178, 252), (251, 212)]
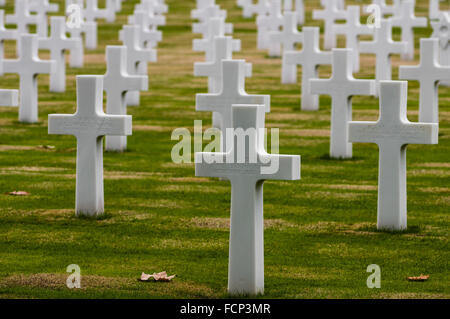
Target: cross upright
[(137, 58), (148, 38), (92, 12), (41, 8), (207, 12), (202, 27), (5, 34), (231, 92), (58, 43), (406, 20), (9, 97), (385, 9), (352, 29), (267, 23), (441, 31), (28, 66), (222, 50), (116, 82), (153, 19), (383, 47), (310, 57), (342, 86), (434, 10), (330, 14), (89, 29), (215, 29), (89, 124), (287, 38), (22, 17), (246, 250), (392, 132), (429, 72), (261, 8)]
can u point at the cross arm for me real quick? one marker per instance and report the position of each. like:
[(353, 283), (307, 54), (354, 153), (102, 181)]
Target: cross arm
[(210, 164), (9, 97), (204, 68), (362, 132), (409, 72), (320, 86), (136, 82), (114, 125), (280, 167)]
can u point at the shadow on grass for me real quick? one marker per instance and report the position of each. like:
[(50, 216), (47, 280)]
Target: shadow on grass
[(410, 230), (326, 157), (104, 216)]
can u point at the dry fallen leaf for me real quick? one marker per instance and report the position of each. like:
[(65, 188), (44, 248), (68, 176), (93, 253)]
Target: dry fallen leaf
[(161, 276), (419, 278), (19, 193)]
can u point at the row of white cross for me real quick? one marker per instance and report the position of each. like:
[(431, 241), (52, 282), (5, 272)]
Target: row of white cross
[(236, 109), (126, 74), (342, 86)]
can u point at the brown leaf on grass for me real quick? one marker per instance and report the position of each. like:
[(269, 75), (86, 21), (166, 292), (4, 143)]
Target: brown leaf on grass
[(19, 193), (161, 276), (419, 278)]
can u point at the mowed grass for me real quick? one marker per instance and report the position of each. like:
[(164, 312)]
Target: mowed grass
[(320, 232)]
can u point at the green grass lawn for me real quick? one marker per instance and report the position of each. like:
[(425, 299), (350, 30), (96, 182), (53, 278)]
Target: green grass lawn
[(320, 233)]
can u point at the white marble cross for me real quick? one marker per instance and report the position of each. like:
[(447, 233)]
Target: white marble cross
[(216, 28), (148, 38), (116, 82), (89, 29), (300, 11), (89, 124), (203, 26), (261, 8), (9, 97), (383, 47), (158, 6), (393, 132), (22, 17), (309, 58), (385, 9), (352, 29), (246, 259), (267, 23), (287, 38), (434, 10), (231, 92), (28, 66), (92, 12), (429, 72), (58, 43), (41, 8), (341, 87), (137, 58), (406, 20), (207, 12), (153, 19), (441, 31), (6, 34), (222, 50), (329, 15)]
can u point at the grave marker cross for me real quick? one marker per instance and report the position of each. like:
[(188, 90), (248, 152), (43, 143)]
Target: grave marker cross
[(352, 29), (246, 252), (383, 47), (429, 72), (342, 86), (406, 20), (231, 92), (116, 82), (309, 58), (89, 124), (42, 7), (392, 132), (287, 38), (28, 66), (330, 14), (58, 43)]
